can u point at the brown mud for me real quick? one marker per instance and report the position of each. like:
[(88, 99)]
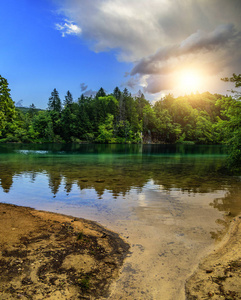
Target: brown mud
[(50, 256)]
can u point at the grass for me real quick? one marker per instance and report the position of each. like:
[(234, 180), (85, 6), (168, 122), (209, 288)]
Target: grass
[(85, 283)]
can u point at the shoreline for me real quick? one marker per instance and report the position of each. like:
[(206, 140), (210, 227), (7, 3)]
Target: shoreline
[(54, 256), (218, 275), (46, 255)]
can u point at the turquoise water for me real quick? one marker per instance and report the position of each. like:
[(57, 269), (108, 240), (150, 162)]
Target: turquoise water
[(169, 201), (60, 176), (114, 168)]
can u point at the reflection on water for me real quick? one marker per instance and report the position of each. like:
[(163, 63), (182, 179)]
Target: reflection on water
[(169, 201), (83, 174), (118, 169)]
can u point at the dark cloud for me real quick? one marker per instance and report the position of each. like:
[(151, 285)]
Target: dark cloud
[(155, 84), (87, 92), (195, 43), (202, 40), (90, 93), (132, 82), (83, 87)]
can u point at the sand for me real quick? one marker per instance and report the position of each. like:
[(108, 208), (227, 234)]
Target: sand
[(51, 256), (219, 274)]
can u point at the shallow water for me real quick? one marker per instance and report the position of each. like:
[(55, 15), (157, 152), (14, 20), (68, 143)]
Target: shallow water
[(169, 202)]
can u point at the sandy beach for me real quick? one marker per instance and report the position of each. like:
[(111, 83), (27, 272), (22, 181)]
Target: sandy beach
[(51, 256), (218, 275)]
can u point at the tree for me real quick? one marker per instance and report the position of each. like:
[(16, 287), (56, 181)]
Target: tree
[(105, 132), (55, 108), (83, 116), (237, 80), (54, 103), (32, 110), (231, 109), (204, 129), (7, 108), (68, 99), (117, 93), (69, 122), (140, 102), (100, 93), (43, 126), (149, 122)]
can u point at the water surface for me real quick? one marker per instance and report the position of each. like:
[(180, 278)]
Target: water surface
[(169, 202)]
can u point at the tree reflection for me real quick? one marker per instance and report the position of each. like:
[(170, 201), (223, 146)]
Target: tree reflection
[(118, 169), (119, 173), (55, 179), (120, 176), (231, 203), (6, 178)]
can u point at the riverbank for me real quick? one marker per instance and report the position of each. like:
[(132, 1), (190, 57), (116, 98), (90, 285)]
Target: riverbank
[(52, 256), (219, 274)]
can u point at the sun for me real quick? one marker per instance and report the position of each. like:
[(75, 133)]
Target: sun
[(190, 81)]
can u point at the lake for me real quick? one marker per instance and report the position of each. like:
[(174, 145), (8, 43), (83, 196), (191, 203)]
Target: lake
[(170, 202)]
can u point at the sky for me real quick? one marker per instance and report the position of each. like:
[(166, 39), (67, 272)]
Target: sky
[(155, 46)]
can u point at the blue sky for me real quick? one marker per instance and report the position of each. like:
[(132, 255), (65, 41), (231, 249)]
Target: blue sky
[(159, 47), (35, 58)]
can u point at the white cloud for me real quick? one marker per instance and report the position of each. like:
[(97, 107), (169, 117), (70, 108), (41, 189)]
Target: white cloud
[(68, 28)]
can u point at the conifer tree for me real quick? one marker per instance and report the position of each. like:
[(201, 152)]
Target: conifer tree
[(7, 108), (117, 93), (54, 102), (6, 103), (68, 99), (101, 93)]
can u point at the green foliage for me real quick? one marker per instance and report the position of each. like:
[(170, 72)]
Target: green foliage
[(84, 282), (68, 102), (100, 93), (230, 130), (80, 236), (121, 118), (43, 126), (231, 124), (237, 81), (105, 133), (234, 159), (204, 129), (7, 108)]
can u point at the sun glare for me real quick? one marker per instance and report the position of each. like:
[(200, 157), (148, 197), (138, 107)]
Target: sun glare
[(190, 81)]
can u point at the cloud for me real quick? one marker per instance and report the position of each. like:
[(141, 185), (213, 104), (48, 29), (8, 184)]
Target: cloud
[(202, 40), (209, 51), (90, 93), (87, 92), (138, 28), (160, 36), (197, 42), (83, 87), (132, 82), (68, 28), (158, 83)]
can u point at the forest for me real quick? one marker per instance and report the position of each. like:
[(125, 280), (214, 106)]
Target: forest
[(121, 118)]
